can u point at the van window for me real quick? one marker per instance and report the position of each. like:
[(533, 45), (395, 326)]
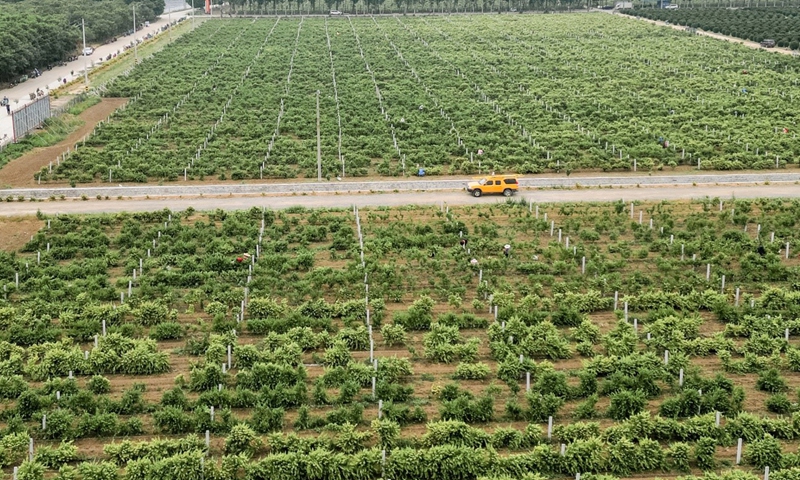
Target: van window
[(489, 182), (510, 181)]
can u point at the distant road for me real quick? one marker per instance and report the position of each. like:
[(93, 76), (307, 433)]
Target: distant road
[(397, 199), (19, 95)]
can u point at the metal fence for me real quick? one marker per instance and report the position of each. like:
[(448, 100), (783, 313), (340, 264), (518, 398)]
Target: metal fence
[(31, 116)]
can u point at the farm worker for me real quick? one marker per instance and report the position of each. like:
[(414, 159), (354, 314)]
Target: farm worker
[(463, 243), (239, 259), (785, 130), (507, 250), (666, 143), (473, 262), (480, 151), (8, 108)]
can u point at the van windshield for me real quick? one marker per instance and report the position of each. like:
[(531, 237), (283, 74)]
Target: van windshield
[(482, 181)]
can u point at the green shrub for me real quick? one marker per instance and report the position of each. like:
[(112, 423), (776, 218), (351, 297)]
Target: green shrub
[(99, 385), (242, 439), (764, 452), (771, 381), (30, 471), (704, 451), (779, 403), (540, 407), (388, 431), (626, 403), (167, 331), (267, 420), (393, 334), (98, 471), (472, 371), (678, 456)]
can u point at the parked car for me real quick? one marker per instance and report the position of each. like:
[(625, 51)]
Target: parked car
[(88, 51), (768, 43), (335, 12)]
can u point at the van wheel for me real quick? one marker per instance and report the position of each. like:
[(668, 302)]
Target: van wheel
[(476, 193), (507, 192)]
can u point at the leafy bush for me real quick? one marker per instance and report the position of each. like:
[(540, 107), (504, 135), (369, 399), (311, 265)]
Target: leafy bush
[(771, 381), (779, 403), (98, 471), (764, 452), (167, 331), (540, 407), (472, 371), (393, 334), (626, 403), (704, 451), (98, 385), (242, 439), (418, 316), (267, 420)]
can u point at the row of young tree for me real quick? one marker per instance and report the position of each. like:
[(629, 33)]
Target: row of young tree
[(38, 33)]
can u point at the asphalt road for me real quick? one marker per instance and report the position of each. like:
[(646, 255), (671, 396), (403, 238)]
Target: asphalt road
[(19, 95), (397, 199)]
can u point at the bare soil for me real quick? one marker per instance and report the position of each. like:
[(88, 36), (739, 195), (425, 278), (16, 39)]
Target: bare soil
[(21, 171), (15, 232)]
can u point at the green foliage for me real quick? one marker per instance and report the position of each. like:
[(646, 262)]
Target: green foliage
[(393, 334), (31, 471), (704, 451), (242, 439), (98, 385), (418, 316), (771, 381), (626, 403), (472, 371), (764, 452)]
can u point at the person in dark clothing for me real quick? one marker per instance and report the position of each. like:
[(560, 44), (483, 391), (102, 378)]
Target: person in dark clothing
[(761, 250), (507, 250), (463, 243), (8, 109)]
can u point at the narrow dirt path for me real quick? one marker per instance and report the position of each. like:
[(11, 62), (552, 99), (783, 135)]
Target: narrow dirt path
[(718, 36), (20, 172)]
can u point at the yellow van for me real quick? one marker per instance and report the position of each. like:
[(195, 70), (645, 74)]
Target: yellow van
[(505, 184)]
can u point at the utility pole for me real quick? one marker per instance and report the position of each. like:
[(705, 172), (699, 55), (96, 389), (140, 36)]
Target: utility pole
[(135, 50), (319, 145), (85, 69), (192, 14), (169, 25)]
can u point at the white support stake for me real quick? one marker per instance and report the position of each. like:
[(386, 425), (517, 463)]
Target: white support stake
[(739, 451)]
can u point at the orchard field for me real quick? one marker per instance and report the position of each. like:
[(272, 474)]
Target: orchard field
[(754, 24), (365, 344), (238, 99)]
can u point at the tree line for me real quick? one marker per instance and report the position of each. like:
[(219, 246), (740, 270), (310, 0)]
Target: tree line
[(38, 33)]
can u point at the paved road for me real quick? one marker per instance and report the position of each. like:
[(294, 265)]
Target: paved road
[(19, 95), (400, 185), (397, 199)]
